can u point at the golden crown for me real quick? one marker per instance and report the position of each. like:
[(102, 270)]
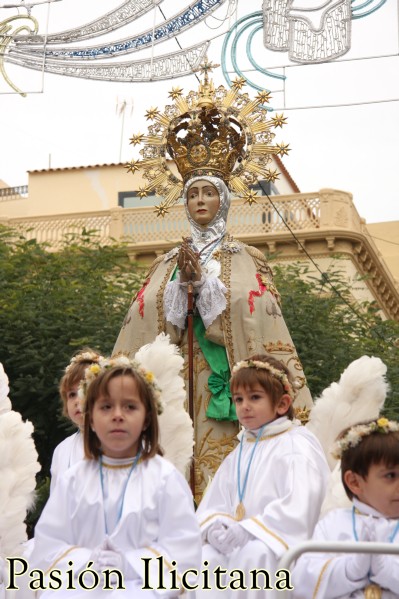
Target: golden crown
[(209, 132)]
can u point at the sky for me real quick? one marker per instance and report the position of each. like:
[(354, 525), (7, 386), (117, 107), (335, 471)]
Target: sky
[(343, 116)]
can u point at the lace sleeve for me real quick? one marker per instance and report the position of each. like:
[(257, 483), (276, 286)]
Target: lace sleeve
[(175, 304), (211, 300)]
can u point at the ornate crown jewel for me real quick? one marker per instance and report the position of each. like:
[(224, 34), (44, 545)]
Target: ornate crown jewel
[(212, 131)]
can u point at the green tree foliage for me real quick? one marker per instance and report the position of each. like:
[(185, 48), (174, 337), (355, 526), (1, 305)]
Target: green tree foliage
[(330, 329), (54, 303), (51, 305)]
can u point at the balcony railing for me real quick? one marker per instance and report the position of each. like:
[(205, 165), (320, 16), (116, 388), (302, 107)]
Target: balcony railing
[(328, 214), (141, 226), (13, 193)]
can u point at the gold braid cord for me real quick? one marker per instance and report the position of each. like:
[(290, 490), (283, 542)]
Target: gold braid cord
[(211, 131)]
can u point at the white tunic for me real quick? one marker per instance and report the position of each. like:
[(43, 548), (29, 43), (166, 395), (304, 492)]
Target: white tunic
[(156, 519), (323, 576), (286, 485), (65, 455)]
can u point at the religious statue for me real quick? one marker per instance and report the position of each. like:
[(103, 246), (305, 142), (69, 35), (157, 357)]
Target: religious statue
[(219, 141)]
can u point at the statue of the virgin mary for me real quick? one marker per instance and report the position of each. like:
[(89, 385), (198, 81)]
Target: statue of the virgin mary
[(220, 141)]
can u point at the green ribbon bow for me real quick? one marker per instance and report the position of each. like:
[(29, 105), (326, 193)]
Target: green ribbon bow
[(220, 406)]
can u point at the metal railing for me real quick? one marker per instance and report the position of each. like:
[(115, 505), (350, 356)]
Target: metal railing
[(331, 547), (13, 193)]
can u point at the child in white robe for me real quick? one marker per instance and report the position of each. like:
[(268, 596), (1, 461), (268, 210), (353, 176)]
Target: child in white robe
[(70, 450), (266, 495), (370, 474), (124, 507)]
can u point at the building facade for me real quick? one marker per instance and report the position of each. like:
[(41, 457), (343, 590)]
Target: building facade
[(316, 227)]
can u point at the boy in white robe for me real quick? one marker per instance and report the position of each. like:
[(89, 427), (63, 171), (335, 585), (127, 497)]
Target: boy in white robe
[(70, 450), (370, 474), (266, 495), (124, 508)]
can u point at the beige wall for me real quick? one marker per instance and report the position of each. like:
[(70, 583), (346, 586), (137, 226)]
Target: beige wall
[(326, 222), (83, 189), (386, 238), (64, 191), (347, 268)]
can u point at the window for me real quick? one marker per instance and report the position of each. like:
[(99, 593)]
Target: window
[(130, 199), (264, 187)]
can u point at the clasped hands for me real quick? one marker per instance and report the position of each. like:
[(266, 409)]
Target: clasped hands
[(367, 567), (227, 538), (108, 556), (378, 568), (188, 263)]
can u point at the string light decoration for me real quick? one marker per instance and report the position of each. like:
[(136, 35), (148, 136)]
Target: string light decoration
[(285, 28)]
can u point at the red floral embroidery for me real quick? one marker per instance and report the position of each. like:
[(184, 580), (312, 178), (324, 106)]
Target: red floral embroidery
[(253, 293), (140, 298)]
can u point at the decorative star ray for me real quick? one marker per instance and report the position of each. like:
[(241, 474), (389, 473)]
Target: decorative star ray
[(252, 117), (132, 166)]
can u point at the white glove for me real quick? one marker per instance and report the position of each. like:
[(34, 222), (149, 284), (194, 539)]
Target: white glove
[(95, 556), (236, 536), (112, 557), (215, 529), (225, 541), (109, 559), (385, 571), (108, 556), (215, 535), (357, 566)]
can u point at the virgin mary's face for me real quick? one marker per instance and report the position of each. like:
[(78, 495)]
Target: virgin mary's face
[(203, 202)]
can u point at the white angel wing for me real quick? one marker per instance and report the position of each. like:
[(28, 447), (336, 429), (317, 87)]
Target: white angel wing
[(18, 467), (5, 403), (358, 396), (335, 496), (176, 429)]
